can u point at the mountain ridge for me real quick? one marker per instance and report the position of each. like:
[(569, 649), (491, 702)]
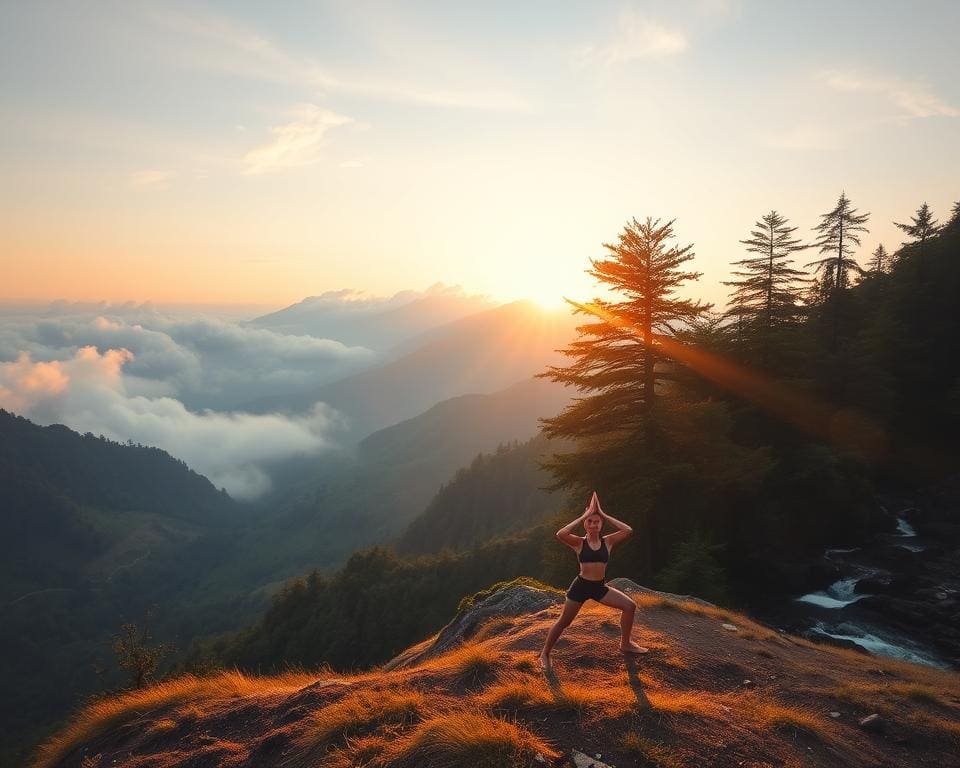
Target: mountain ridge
[(716, 689)]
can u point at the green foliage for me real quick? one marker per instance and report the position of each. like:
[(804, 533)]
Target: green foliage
[(765, 302), (839, 230), (693, 569), (135, 654), (498, 494), (377, 605)]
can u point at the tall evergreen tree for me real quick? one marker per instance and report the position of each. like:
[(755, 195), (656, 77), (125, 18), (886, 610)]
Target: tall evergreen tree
[(618, 429), (838, 231), (921, 227), (954, 216), (880, 262), (767, 297), (618, 362)]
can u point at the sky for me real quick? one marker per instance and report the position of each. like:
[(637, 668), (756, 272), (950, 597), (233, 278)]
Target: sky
[(256, 153)]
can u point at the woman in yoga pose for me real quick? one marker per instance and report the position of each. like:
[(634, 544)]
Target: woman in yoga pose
[(593, 552)]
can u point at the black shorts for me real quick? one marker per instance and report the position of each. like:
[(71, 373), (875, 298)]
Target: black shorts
[(583, 589)]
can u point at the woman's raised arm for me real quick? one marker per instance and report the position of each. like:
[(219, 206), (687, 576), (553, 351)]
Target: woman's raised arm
[(623, 530), (566, 534)]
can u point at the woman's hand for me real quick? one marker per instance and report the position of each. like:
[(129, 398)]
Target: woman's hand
[(595, 505), (591, 507)]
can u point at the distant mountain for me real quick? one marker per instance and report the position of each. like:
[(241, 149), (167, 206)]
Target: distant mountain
[(377, 324), (372, 494), (482, 353), (498, 494)]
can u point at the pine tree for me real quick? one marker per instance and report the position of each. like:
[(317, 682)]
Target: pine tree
[(880, 262), (954, 216), (618, 357), (838, 231), (768, 296), (922, 227)]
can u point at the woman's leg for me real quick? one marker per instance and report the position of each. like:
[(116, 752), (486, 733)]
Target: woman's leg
[(617, 599), (570, 609)]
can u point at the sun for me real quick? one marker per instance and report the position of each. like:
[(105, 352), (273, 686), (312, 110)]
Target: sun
[(548, 299)]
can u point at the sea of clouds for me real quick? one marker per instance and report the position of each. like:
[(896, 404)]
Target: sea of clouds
[(177, 380)]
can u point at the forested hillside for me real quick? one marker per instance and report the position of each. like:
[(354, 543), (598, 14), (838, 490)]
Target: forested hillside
[(92, 533), (498, 494)]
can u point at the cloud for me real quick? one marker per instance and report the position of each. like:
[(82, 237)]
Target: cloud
[(915, 99), (88, 393), (297, 143), (637, 37), (203, 361)]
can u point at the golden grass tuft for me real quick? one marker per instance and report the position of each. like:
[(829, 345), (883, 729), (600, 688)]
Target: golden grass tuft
[(469, 662), (100, 715), (513, 691), (525, 665), (934, 726), (698, 703), (918, 692), (768, 713), (160, 727), (653, 753), (516, 691), (864, 695), (463, 738), (358, 753), (351, 715)]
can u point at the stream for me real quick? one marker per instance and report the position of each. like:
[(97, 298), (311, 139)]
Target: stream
[(833, 611)]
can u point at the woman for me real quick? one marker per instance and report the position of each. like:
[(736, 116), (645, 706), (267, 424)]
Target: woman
[(593, 552)]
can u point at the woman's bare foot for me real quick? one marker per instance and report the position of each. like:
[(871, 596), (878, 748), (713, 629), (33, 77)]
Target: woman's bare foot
[(632, 647), (544, 662)]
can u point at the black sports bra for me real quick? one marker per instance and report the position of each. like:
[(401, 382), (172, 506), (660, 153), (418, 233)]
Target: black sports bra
[(588, 555)]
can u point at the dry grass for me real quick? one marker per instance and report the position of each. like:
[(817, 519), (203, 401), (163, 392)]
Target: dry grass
[(685, 702), (764, 712), (525, 665), (102, 714), (463, 738), (160, 727), (866, 696), (918, 692), (934, 726), (468, 663), (352, 715), (358, 753), (655, 754), (513, 691)]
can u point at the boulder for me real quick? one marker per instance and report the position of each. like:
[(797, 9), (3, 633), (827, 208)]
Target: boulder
[(510, 599)]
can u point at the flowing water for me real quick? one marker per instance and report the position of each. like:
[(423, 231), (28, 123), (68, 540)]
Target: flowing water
[(828, 604)]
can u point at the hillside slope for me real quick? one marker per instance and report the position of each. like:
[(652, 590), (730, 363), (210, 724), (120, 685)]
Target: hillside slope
[(372, 494), (717, 689), (92, 533), (498, 494)]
